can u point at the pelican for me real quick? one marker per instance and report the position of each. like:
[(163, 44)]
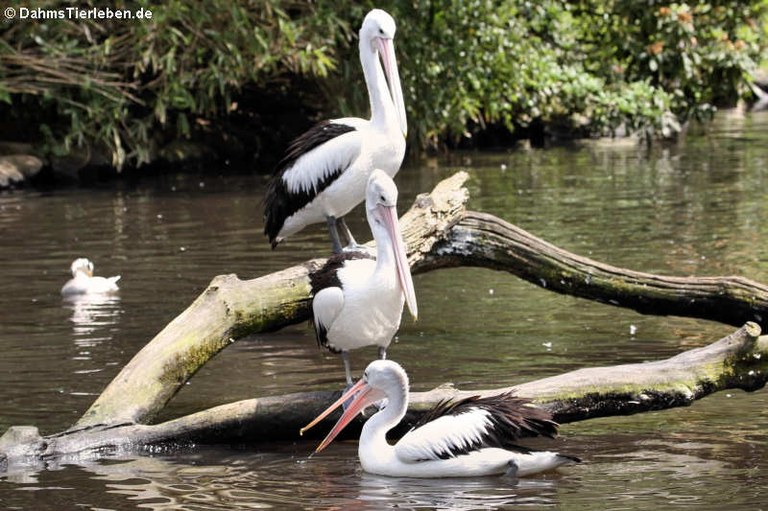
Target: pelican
[(358, 301), (471, 437), (83, 281), (323, 173)]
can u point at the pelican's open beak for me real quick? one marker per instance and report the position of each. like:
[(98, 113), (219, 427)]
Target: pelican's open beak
[(364, 395), (391, 223), (387, 53)]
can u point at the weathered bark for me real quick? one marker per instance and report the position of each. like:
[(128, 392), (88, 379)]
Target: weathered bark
[(479, 239), (231, 308), (738, 361), (439, 234)]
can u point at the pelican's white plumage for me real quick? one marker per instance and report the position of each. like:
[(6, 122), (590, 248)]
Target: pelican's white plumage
[(471, 437), (83, 281), (324, 171), (358, 301)]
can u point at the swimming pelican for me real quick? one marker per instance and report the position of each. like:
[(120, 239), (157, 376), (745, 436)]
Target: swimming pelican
[(83, 281), (323, 173), (471, 437), (358, 301)]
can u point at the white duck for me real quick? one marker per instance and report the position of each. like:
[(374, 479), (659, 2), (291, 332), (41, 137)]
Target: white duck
[(83, 281), (471, 437)]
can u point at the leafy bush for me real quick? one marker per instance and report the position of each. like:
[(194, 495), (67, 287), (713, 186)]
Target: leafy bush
[(116, 82), (588, 67)]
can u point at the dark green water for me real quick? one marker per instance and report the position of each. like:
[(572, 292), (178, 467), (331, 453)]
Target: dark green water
[(697, 207)]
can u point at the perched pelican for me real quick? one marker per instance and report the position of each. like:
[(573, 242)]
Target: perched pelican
[(358, 301), (83, 281), (323, 173), (471, 437)]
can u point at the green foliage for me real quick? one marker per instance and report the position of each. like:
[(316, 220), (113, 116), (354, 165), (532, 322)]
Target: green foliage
[(588, 67), (591, 67), (116, 82), (700, 53)]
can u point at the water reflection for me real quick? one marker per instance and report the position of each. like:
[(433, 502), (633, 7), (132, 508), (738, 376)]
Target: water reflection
[(92, 314), (283, 478), (456, 494)]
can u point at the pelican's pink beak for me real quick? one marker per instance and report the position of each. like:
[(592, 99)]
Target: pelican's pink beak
[(364, 395), (392, 224), (386, 49)]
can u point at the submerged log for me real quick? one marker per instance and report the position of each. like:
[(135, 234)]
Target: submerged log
[(439, 233), (738, 361)]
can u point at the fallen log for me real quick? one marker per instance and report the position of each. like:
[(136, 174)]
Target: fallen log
[(231, 308), (482, 240), (439, 233), (738, 361)]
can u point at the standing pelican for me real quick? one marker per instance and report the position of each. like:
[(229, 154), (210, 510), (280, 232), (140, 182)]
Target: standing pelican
[(323, 173), (83, 281), (358, 301), (472, 437)]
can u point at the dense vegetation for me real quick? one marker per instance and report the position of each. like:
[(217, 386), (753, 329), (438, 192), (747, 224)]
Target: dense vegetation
[(584, 68)]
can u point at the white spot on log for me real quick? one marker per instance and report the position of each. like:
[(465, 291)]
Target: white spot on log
[(632, 329)]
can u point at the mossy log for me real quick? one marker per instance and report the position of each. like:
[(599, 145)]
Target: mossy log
[(439, 233), (483, 240), (738, 361)]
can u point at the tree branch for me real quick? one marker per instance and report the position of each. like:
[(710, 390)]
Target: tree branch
[(479, 239)]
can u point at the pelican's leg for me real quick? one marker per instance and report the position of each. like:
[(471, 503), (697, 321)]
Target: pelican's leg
[(350, 382), (352, 245), (341, 224), (347, 370), (334, 232), (382, 353)]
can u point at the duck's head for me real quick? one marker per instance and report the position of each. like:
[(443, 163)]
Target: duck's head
[(82, 265)]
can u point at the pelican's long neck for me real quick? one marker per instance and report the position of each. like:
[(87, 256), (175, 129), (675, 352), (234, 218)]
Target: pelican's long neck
[(373, 439), (382, 107)]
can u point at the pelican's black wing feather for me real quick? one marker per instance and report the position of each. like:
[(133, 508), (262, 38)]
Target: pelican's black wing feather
[(458, 427), (279, 202)]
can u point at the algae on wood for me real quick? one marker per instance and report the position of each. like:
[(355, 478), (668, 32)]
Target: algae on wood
[(739, 360)]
